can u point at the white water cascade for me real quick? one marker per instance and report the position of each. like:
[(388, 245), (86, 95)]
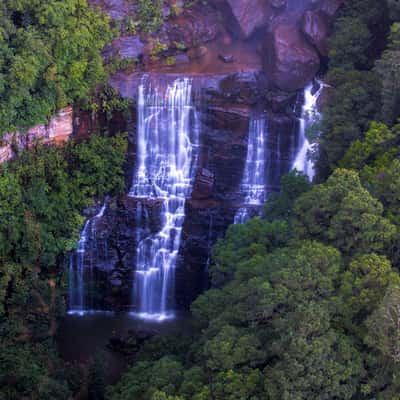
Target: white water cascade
[(168, 135), (254, 179), (309, 116), (77, 266)]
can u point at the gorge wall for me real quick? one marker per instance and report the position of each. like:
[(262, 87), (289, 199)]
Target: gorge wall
[(243, 58), (58, 130)]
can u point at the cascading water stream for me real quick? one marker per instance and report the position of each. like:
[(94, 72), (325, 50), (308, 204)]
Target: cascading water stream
[(254, 179), (309, 115), (168, 134), (77, 266)]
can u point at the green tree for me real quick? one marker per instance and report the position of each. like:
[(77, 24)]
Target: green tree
[(50, 57), (344, 214), (388, 68), (364, 284)]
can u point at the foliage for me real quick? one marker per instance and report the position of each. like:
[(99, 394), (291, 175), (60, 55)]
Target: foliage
[(356, 98), (354, 103), (49, 58), (388, 68), (303, 302), (301, 305), (344, 214), (42, 194), (150, 14), (349, 45)]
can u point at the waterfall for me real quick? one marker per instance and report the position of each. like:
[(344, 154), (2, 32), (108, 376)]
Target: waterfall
[(77, 266), (254, 179), (168, 134), (309, 116)]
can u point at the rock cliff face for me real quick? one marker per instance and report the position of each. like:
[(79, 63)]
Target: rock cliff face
[(57, 131), (281, 39), (243, 57)]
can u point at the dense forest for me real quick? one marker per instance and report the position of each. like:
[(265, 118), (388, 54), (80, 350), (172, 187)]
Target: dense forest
[(304, 302)]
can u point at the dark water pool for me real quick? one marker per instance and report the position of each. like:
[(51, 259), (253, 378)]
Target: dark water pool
[(81, 337)]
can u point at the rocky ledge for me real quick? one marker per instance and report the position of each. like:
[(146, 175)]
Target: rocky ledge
[(284, 40), (57, 131)]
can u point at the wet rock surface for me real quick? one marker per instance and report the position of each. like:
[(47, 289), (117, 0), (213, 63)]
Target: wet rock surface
[(244, 57)]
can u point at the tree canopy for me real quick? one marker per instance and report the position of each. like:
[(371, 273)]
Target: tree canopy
[(50, 57)]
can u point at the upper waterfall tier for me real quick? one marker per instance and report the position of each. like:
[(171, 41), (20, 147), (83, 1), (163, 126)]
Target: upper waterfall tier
[(168, 135), (167, 128)]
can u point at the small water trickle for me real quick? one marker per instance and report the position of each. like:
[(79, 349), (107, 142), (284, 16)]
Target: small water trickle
[(78, 265), (168, 135), (254, 179), (309, 116)]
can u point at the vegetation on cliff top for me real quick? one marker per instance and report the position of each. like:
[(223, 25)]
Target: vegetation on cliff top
[(50, 57)]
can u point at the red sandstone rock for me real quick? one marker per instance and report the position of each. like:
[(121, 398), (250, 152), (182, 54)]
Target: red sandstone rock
[(57, 131), (289, 60), (330, 7), (316, 29), (250, 14), (195, 26)]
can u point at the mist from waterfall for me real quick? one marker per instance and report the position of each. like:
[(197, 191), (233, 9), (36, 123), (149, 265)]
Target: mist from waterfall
[(78, 267), (168, 135), (309, 116), (253, 183)]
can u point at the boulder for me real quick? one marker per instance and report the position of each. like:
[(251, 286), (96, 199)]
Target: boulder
[(193, 27), (290, 62), (330, 7), (315, 27), (250, 14)]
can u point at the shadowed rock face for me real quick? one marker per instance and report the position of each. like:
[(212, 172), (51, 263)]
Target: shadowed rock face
[(289, 60), (250, 14), (315, 27), (126, 47), (330, 7)]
